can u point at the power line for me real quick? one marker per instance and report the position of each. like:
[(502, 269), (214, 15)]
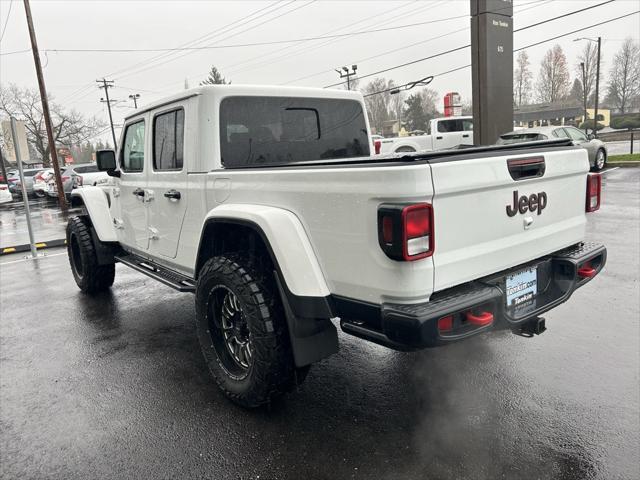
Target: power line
[(271, 42), (306, 49), (543, 41), (6, 21), (538, 3), (87, 89), (578, 30), (214, 33), (225, 38), (232, 35), (462, 47)]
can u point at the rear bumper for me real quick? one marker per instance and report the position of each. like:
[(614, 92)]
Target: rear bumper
[(415, 326)]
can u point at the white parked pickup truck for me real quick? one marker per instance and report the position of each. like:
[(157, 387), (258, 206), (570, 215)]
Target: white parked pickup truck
[(442, 133), (267, 204)]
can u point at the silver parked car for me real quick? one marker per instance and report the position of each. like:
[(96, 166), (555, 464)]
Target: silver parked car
[(596, 148)]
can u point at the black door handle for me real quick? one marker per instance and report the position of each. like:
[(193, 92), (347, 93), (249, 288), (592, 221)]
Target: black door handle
[(139, 192), (438, 138), (465, 136), (172, 194)]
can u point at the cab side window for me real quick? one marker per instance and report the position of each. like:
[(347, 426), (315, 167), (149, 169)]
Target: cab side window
[(168, 140), (132, 157)]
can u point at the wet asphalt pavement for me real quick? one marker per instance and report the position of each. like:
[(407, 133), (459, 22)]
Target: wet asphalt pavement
[(47, 219), (116, 387)]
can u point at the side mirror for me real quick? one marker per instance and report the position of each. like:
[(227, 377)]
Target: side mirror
[(106, 160), (591, 136)]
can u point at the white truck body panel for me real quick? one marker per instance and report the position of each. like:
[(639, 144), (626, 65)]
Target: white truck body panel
[(95, 201), (295, 255), (474, 235), (330, 212)]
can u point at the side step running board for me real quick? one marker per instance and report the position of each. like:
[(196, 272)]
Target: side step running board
[(173, 279)]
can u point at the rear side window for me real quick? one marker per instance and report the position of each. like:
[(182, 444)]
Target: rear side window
[(280, 130), (455, 125), (132, 157), (168, 140)]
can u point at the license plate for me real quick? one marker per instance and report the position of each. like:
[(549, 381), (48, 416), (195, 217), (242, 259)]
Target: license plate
[(521, 287)]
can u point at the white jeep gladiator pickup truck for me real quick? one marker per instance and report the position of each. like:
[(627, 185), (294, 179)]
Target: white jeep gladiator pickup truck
[(442, 133), (266, 203)]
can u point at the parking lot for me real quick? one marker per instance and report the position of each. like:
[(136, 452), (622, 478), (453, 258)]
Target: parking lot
[(116, 386)]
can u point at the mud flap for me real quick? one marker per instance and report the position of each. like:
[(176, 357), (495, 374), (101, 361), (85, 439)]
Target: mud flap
[(312, 339)]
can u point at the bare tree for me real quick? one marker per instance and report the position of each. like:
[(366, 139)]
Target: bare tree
[(522, 77), (553, 78), (378, 104), (214, 77), (70, 128), (588, 56), (624, 77)]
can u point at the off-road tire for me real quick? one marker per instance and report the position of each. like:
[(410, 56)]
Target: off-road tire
[(273, 371), (89, 276)]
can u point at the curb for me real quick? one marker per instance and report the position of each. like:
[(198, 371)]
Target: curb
[(27, 247), (633, 163)]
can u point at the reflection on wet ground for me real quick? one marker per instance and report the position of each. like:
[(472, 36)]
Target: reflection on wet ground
[(48, 222)]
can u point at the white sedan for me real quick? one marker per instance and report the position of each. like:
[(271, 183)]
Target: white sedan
[(5, 194)]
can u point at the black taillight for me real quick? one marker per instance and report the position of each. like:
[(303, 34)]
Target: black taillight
[(405, 232)]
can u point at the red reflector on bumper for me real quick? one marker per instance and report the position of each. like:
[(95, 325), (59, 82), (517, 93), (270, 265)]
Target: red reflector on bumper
[(445, 323), (484, 318), (587, 272)]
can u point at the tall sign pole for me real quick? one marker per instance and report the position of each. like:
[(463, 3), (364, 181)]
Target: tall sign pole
[(492, 69), (25, 198), (45, 108)]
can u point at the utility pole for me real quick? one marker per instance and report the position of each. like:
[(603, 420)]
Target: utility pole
[(45, 108), (135, 98), (595, 114), (107, 84), (344, 73)]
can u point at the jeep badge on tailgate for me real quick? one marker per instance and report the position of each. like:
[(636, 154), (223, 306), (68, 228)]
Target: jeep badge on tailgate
[(531, 203)]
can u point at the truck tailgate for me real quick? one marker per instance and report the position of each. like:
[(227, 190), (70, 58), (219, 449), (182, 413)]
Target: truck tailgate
[(474, 233)]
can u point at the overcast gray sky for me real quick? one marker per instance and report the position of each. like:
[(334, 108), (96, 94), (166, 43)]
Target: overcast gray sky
[(149, 24)]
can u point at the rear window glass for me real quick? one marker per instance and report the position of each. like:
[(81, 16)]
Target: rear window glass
[(280, 130), (521, 137)]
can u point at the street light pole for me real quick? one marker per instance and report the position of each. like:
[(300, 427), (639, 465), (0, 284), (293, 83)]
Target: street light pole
[(347, 74), (595, 110), (595, 115), (135, 98)]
